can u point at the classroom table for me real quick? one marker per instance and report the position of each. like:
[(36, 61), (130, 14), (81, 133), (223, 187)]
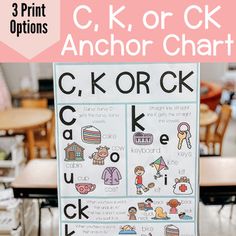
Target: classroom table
[(218, 176), (26, 120), (38, 179), (207, 116)]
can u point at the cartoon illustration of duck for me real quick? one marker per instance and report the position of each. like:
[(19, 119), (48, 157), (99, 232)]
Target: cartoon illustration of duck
[(160, 214)]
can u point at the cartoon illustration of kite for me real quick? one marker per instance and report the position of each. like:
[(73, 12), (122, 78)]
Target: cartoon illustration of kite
[(159, 165)]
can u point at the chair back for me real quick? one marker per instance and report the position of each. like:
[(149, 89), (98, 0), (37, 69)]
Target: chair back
[(52, 134), (223, 121), (34, 103)]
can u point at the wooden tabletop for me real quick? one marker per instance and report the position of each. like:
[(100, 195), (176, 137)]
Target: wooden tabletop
[(23, 118), (33, 95), (214, 171), (38, 174), (207, 116), (217, 171)]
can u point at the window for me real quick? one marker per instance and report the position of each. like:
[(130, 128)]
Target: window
[(77, 154)]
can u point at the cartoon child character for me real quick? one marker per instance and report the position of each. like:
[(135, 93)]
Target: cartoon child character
[(139, 172), (127, 229), (132, 213), (148, 204), (183, 216), (173, 203)]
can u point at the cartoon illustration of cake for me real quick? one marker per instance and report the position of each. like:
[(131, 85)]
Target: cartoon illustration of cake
[(171, 230), (91, 135)]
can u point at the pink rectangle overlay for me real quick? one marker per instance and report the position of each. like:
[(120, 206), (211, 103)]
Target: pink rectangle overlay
[(170, 36)]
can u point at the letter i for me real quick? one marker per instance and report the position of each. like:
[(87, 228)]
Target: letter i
[(165, 179)]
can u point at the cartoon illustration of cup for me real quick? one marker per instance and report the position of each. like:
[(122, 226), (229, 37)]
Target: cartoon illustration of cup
[(85, 188)]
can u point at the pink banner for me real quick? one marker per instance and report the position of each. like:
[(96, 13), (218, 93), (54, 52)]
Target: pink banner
[(117, 31)]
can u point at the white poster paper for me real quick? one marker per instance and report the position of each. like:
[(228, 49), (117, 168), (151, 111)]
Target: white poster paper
[(127, 148)]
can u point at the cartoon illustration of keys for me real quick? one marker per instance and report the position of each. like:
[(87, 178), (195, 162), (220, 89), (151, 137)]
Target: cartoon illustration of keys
[(184, 133), (188, 136), (181, 135)]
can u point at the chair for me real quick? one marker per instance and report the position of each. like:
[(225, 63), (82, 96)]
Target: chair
[(212, 94), (46, 141), (220, 200), (43, 136), (34, 103), (217, 136)]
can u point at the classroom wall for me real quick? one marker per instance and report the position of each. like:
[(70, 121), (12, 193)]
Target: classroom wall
[(15, 72), (213, 71)]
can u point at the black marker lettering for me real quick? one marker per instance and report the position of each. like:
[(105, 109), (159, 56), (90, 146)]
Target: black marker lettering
[(67, 231), (144, 82), (136, 119), (62, 118), (94, 83), (60, 83)]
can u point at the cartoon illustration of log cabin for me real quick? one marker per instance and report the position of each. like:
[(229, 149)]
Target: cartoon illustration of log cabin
[(74, 152)]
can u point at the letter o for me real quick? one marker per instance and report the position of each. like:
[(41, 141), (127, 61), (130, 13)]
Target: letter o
[(117, 157), (156, 19), (118, 84)]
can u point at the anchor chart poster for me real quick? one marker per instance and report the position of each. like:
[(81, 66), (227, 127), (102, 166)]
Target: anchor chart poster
[(127, 147)]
